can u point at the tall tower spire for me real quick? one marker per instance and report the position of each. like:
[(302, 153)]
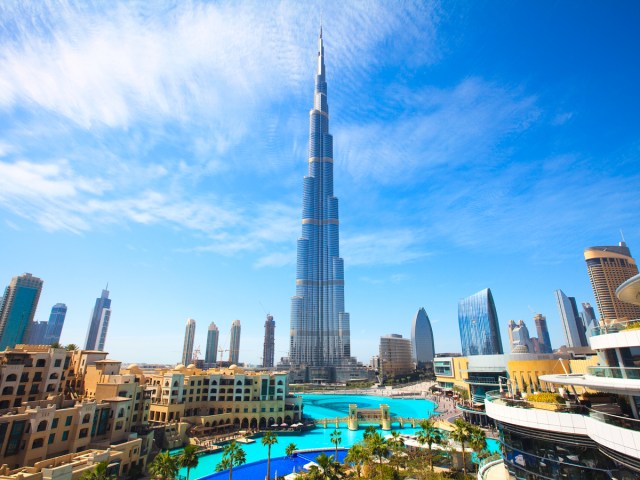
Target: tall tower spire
[(319, 324)]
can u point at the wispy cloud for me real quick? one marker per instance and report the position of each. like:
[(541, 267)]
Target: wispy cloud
[(384, 247)]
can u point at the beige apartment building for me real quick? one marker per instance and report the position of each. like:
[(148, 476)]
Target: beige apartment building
[(396, 356), (222, 399)]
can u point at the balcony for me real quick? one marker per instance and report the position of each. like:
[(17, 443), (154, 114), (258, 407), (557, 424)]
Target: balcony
[(615, 327), (491, 381)]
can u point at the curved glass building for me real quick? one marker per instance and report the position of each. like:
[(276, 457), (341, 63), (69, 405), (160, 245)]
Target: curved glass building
[(478, 322), (319, 324), (422, 339)]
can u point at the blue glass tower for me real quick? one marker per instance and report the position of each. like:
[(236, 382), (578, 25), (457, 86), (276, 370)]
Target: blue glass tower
[(319, 324), (17, 309), (56, 322), (478, 322), (99, 325), (422, 339)]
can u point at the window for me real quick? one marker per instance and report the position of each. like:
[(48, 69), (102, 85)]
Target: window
[(86, 418), (65, 435), (83, 433), (17, 429), (57, 363), (67, 422), (37, 377), (52, 438), (42, 426), (7, 391), (12, 377), (40, 362), (37, 443)]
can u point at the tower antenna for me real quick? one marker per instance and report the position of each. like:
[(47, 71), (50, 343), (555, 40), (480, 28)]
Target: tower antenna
[(622, 235)]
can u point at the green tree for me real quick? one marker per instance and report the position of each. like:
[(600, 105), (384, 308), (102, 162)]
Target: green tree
[(327, 468), (56, 345), (370, 430), (71, 347), (462, 433), (396, 444), (336, 438), (98, 473), (478, 441), (430, 435), (188, 458), (164, 466), (290, 450), (378, 447), (357, 456), (232, 456), (269, 438)]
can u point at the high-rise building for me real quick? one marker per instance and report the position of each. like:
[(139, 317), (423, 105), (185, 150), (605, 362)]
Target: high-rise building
[(37, 333), (511, 327), (320, 335), (189, 337), (521, 340), (588, 317), (99, 323), (211, 353), (544, 341), (608, 268), (56, 322), (395, 355), (268, 350), (478, 322), (571, 322), (234, 343), (422, 343), (18, 308)]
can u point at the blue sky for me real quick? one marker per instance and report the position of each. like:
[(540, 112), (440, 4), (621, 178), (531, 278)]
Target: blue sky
[(162, 148)]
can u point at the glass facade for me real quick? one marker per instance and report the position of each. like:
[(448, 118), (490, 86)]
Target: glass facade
[(189, 336), (422, 339), (572, 324), (478, 323), (268, 349), (18, 308), (320, 334), (234, 343), (99, 324), (55, 324), (211, 353)]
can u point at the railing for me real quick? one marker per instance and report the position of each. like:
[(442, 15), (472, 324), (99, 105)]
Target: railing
[(483, 380), (616, 372), (486, 463), (608, 418), (615, 327)]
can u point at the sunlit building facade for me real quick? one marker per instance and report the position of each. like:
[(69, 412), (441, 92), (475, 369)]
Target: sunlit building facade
[(55, 324), (572, 325), (422, 343), (478, 323)]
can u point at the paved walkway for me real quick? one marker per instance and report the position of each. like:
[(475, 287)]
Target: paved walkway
[(497, 472)]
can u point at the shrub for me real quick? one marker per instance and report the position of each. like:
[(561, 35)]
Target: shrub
[(545, 397)]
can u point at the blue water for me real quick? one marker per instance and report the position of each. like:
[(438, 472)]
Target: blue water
[(315, 406)]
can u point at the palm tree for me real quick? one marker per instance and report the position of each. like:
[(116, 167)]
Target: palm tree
[(164, 466), (461, 433), (328, 468), (478, 441), (431, 435), (269, 438), (357, 455), (370, 430), (232, 456), (189, 458), (98, 473), (290, 450), (336, 438), (71, 347), (56, 345), (378, 447), (396, 443)]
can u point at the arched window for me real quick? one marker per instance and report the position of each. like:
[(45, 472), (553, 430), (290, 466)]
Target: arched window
[(279, 382), (12, 377), (37, 443), (7, 391), (239, 382), (42, 426)]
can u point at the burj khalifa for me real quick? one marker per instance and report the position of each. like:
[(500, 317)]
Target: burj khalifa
[(319, 324)]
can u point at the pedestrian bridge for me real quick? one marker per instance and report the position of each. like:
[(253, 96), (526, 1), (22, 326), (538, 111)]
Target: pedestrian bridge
[(358, 416)]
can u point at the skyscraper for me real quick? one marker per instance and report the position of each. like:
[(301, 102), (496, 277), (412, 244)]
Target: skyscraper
[(18, 308), (478, 322), (56, 322), (320, 335), (544, 341), (37, 333), (234, 343), (268, 350), (608, 268), (588, 317), (395, 356), (422, 344), (211, 353), (99, 324), (571, 322), (189, 337)]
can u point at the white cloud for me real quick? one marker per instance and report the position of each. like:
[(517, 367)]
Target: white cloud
[(384, 247)]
